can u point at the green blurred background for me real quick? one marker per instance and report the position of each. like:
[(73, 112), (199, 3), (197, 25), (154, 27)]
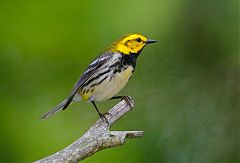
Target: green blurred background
[(185, 86)]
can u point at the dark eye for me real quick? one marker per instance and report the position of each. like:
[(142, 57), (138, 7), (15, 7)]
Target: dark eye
[(138, 40)]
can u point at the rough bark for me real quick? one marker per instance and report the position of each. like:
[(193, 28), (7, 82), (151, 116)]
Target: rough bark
[(97, 138)]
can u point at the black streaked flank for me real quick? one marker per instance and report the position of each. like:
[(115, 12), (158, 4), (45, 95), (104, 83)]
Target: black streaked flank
[(92, 90), (117, 67), (115, 64), (93, 85), (96, 77), (102, 80)]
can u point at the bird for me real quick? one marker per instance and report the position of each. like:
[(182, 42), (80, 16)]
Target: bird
[(107, 74)]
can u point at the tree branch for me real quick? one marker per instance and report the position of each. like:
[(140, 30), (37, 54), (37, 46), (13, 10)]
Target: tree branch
[(97, 138)]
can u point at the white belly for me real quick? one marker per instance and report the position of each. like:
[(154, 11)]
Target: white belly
[(108, 89)]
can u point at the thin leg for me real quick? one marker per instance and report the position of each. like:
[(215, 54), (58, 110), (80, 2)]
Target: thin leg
[(125, 98), (99, 113), (95, 106)]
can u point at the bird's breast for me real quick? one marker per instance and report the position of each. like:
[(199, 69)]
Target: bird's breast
[(113, 84)]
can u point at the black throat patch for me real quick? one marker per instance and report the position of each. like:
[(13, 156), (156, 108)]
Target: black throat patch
[(129, 60)]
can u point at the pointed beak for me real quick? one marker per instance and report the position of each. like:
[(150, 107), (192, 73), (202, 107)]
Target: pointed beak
[(151, 41)]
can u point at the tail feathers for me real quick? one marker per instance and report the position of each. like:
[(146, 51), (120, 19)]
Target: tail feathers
[(68, 102), (54, 110)]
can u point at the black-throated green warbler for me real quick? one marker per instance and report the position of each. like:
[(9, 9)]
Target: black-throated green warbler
[(107, 74)]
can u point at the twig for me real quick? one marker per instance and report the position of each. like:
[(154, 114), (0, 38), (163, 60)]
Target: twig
[(97, 138)]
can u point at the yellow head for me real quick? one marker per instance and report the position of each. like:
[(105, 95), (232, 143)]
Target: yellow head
[(131, 44)]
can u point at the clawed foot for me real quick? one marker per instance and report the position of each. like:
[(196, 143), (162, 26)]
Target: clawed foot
[(128, 100), (103, 115), (125, 98)]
